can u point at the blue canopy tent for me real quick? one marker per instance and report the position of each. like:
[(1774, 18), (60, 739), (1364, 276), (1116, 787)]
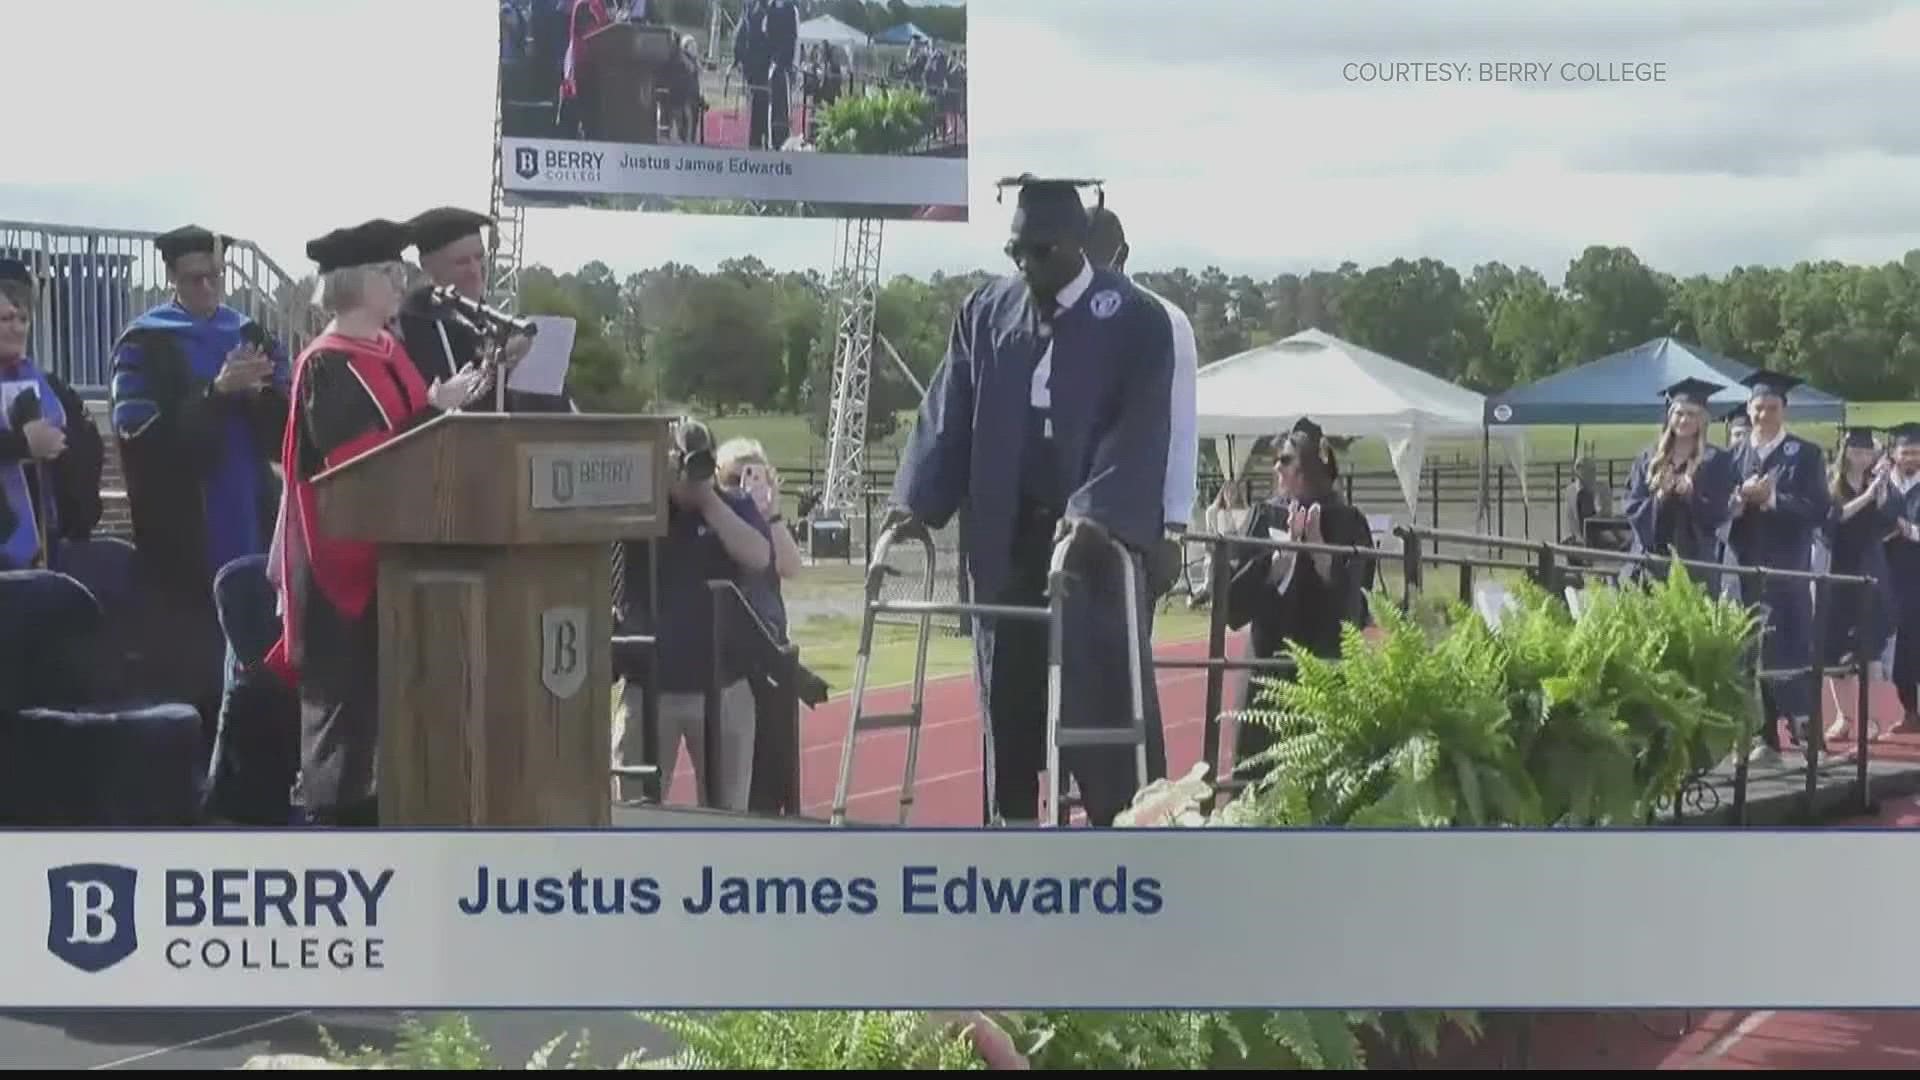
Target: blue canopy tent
[(1625, 388), (903, 34)]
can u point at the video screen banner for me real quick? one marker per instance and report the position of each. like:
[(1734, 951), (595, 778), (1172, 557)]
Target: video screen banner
[(734, 107), (904, 918)]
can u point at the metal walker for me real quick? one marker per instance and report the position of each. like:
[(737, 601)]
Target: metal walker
[(1058, 737)]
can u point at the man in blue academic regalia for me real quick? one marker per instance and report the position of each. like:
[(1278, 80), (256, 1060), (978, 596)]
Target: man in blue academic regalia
[(199, 399), (1780, 504), (1903, 560), (1048, 417)]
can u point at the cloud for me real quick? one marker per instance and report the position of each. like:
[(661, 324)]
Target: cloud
[(1225, 128)]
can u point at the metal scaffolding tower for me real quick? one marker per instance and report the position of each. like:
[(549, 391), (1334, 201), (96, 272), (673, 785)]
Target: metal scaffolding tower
[(509, 232), (856, 292)]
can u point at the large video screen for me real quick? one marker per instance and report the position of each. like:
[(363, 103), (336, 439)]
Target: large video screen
[(803, 108)]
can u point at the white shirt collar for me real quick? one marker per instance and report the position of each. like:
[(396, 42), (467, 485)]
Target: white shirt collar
[(1762, 449), (1076, 288), (1904, 483)]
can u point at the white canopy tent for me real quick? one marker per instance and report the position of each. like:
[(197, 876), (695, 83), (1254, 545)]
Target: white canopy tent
[(826, 28), (1348, 391)]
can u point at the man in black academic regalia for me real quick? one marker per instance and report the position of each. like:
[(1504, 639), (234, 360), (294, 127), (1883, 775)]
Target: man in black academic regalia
[(1781, 503), (1048, 418), (783, 41), (453, 251)]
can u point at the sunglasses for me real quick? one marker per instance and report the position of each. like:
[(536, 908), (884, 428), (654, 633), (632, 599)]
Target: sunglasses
[(1038, 251)]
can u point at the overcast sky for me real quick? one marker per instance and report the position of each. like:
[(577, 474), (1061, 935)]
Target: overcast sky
[(1230, 131)]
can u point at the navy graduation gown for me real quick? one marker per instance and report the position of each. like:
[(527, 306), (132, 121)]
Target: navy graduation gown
[(1858, 546), (1782, 538), (1903, 566), (970, 453), (1685, 527)]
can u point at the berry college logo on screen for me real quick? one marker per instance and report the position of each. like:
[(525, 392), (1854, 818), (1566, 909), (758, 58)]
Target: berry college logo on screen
[(90, 920), (526, 162)]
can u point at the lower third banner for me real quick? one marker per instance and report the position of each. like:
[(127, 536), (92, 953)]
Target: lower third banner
[(1173, 918)]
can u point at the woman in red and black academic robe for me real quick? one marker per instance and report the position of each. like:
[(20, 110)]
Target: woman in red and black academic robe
[(354, 388)]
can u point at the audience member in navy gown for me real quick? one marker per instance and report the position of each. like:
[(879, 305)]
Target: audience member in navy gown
[(1678, 490), (1860, 621), (1781, 504), (1902, 508)]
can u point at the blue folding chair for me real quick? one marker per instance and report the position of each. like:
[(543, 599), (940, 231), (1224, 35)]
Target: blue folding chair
[(256, 747), (72, 751)]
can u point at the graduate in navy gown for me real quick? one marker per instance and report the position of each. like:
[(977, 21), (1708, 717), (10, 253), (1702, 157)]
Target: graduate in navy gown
[(1049, 414), (50, 452), (199, 400), (1679, 489), (1901, 507), (1779, 507), (1856, 533)]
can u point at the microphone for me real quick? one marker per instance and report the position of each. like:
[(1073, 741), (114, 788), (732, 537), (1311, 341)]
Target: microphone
[(501, 323)]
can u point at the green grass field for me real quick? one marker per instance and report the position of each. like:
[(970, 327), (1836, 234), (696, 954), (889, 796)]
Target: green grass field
[(830, 644), (829, 641), (791, 443)]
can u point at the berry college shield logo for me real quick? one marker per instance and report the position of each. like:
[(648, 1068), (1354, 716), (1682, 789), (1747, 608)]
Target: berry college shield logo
[(526, 162), (90, 914)]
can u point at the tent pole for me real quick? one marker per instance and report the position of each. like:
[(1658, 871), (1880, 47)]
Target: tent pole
[(1486, 486)]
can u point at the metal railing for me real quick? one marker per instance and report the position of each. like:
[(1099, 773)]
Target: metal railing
[(1550, 566), (775, 787), (96, 281)]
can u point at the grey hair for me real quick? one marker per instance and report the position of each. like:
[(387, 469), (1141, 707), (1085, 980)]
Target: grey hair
[(346, 288), (739, 451)]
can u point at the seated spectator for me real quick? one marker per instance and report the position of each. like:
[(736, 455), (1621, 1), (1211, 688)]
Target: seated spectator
[(713, 534), (1586, 498), (51, 455)]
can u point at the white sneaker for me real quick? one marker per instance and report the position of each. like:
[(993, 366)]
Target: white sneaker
[(1763, 755)]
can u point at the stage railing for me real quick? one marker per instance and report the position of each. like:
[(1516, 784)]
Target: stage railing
[(1550, 566)]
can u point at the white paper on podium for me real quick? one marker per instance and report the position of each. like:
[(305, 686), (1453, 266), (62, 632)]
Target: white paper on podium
[(544, 369)]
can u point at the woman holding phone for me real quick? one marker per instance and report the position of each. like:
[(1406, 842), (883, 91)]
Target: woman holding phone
[(742, 465)]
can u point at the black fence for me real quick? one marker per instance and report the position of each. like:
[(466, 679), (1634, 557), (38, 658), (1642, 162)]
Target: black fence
[(1553, 567), (1449, 495)]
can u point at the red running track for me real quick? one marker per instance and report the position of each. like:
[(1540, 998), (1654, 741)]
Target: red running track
[(948, 786)]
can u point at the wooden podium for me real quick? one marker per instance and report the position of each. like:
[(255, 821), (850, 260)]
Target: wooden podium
[(495, 607)]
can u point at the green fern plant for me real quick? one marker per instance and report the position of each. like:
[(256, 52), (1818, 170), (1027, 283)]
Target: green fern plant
[(814, 1040), (889, 121), (1406, 732)]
